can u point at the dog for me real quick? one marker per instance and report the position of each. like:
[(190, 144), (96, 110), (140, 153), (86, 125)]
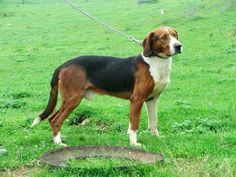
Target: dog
[(140, 79)]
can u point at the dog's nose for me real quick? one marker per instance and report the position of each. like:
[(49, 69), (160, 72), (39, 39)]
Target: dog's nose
[(177, 47)]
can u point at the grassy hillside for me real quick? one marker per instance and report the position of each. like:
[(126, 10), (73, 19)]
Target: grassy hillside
[(197, 117)]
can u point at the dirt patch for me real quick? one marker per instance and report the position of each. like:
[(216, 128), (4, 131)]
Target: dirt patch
[(23, 171), (20, 172)]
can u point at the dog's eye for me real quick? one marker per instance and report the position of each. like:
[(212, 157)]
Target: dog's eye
[(155, 38), (175, 35), (164, 37)]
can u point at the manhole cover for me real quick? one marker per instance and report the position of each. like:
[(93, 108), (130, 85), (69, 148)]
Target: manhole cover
[(61, 157)]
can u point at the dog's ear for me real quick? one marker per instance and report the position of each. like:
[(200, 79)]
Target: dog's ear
[(147, 42)]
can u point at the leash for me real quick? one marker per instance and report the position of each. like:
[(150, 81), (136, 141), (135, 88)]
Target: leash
[(130, 38)]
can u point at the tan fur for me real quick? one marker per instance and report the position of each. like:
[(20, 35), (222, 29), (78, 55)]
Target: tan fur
[(159, 40)]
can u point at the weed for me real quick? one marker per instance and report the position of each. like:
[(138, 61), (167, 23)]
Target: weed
[(197, 125), (80, 115), (12, 104)]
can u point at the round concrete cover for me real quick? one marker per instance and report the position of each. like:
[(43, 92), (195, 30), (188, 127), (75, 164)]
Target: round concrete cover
[(61, 156)]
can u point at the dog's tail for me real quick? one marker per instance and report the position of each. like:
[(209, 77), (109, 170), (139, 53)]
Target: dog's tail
[(52, 99)]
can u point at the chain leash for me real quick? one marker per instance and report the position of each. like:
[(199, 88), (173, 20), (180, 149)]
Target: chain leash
[(129, 37)]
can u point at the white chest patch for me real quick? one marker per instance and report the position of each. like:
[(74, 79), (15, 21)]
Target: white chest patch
[(160, 71)]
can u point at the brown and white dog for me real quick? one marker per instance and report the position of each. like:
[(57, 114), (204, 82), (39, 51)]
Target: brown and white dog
[(140, 79)]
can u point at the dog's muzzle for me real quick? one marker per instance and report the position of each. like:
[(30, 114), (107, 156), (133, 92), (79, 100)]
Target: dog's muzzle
[(178, 48)]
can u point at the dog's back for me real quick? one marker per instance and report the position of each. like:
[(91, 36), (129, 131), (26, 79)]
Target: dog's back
[(108, 73)]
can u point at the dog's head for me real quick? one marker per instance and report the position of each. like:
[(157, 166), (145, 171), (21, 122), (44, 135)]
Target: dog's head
[(162, 42)]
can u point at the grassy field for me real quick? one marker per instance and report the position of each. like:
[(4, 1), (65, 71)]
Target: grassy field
[(197, 113)]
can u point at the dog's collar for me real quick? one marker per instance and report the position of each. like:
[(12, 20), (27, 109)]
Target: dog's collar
[(157, 57), (156, 54)]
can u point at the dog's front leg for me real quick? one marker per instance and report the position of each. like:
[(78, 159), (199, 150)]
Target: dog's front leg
[(136, 102), (151, 106)]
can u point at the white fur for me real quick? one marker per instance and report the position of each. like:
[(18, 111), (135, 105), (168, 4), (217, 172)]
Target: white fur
[(36, 121), (151, 108), (160, 71), (129, 128), (57, 139), (133, 138), (173, 41)]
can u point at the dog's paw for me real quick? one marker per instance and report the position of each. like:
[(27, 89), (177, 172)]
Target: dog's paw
[(57, 140), (136, 144), (62, 145)]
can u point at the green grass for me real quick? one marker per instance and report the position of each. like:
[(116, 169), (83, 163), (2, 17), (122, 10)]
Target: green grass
[(100, 162), (37, 36)]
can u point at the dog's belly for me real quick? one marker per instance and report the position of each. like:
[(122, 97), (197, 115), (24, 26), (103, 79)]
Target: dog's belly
[(113, 84), (91, 93)]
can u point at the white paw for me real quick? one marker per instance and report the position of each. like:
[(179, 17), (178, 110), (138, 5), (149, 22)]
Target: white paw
[(60, 144), (136, 144), (63, 145), (129, 129), (57, 139), (133, 138)]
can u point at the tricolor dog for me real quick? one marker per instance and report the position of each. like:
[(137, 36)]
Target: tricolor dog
[(140, 79)]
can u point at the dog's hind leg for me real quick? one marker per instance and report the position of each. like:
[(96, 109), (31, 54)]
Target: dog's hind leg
[(72, 83), (53, 115), (66, 108)]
